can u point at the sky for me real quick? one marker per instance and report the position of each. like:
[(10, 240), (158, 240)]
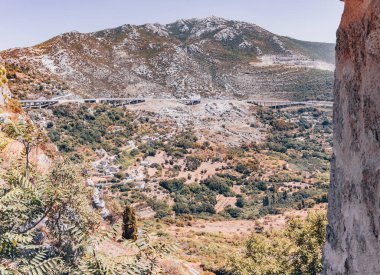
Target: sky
[(29, 22)]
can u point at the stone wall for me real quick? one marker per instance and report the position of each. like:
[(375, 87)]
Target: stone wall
[(353, 233)]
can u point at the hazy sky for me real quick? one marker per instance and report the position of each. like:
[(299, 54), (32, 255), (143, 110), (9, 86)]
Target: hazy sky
[(29, 22)]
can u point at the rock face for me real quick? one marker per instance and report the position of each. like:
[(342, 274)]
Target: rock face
[(4, 91), (4, 94), (353, 244)]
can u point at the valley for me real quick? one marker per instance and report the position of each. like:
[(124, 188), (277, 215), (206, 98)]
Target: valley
[(200, 174), (214, 133)]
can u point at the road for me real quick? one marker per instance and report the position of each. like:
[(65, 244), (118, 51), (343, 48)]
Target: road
[(45, 103)]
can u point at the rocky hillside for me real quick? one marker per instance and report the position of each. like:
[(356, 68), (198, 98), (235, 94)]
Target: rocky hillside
[(211, 57)]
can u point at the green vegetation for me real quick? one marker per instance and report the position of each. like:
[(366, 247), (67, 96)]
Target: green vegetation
[(287, 171), (167, 174), (219, 185), (28, 135), (48, 226), (296, 138), (27, 83), (303, 143), (100, 127), (295, 250), (192, 198), (129, 224), (56, 203), (192, 163), (3, 76)]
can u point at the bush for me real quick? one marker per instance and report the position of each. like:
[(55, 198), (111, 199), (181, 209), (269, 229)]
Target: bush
[(262, 186), (181, 208), (185, 141), (134, 152), (233, 212), (173, 185), (242, 169), (192, 163), (282, 125), (161, 214), (240, 202), (218, 184)]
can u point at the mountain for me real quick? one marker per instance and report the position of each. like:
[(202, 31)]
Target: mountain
[(211, 57)]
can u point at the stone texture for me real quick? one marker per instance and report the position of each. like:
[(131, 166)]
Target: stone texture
[(4, 94), (353, 244)]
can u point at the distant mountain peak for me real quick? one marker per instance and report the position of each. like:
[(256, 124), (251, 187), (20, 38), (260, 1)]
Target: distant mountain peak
[(210, 56)]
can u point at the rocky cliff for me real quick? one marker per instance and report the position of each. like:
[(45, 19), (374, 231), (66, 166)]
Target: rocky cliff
[(353, 244), (4, 91)]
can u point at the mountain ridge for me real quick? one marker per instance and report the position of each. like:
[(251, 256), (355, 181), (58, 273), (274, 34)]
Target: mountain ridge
[(211, 57)]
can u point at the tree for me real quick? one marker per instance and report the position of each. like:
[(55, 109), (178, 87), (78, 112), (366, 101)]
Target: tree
[(240, 202), (37, 211), (129, 224), (309, 237), (266, 201), (28, 135), (173, 185), (233, 212)]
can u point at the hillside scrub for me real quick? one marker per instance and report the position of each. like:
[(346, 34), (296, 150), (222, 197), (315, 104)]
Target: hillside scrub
[(297, 249)]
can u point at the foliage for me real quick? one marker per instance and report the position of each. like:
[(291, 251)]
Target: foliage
[(173, 185), (295, 250), (240, 202), (129, 224), (233, 212), (219, 185), (145, 259), (100, 127), (192, 198), (30, 207), (48, 227), (27, 134), (3, 76), (192, 163), (186, 140)]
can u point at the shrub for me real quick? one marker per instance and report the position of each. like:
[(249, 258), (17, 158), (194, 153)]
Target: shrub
[(262, 186), (192, 163), (134, 152), (218, 184), (282, 125), (240, 202), (173, 185), (233, 212), (181, 208)]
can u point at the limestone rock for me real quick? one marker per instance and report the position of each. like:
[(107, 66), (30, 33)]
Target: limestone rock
[(4, 94), (353, 233)]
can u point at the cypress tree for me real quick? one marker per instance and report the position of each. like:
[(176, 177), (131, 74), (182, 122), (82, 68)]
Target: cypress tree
[(129, 224)]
